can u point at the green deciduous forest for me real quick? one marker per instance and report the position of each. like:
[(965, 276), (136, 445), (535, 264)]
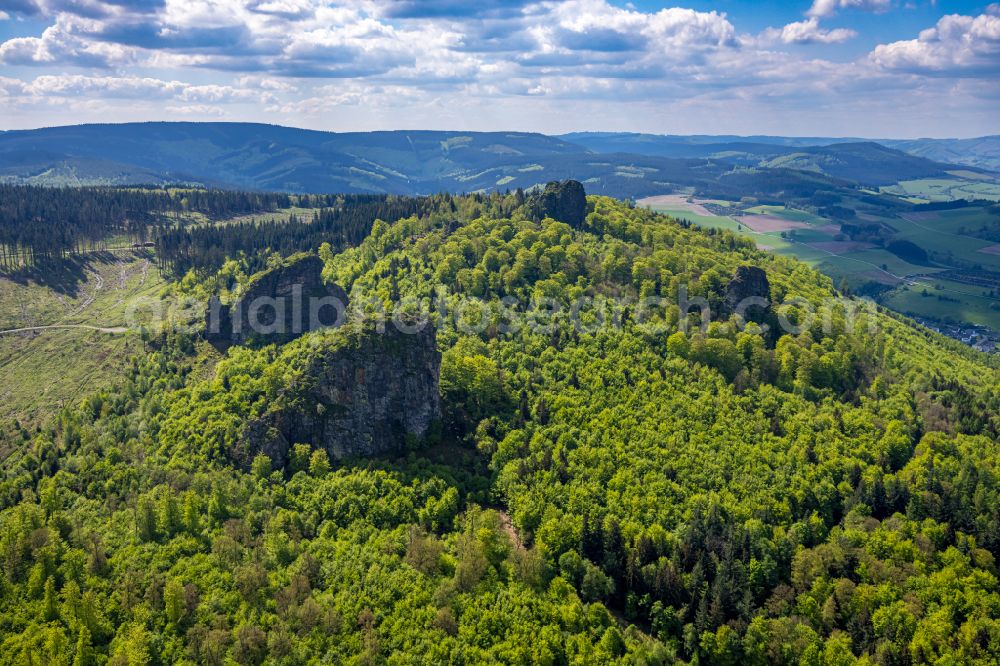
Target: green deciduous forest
[(611, 484)]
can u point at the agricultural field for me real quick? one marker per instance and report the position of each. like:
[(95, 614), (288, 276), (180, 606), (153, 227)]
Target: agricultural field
[(946, 301), (793, 214), (952, 239), (945, 236), (947, 189)]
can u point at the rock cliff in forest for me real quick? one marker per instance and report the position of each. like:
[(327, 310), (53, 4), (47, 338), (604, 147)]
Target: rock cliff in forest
[(360, 392)]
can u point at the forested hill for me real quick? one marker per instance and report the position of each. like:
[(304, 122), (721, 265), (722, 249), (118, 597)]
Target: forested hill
[(273, 158), (981, 152), (602, 486), (869, 162)]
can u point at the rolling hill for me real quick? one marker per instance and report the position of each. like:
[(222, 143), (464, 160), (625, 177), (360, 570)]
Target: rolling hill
[(981, 152), (270, 157), (865, 162)]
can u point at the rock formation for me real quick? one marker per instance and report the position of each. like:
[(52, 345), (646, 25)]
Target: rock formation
[(279, 304), (361, 392), (565, 201), (749, 294)]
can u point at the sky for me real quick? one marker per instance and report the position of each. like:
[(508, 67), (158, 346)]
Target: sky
[(860, 68)]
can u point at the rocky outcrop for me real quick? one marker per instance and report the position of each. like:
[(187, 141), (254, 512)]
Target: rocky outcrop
[(565, 201), (749, 294), (279, 305), (360, 392)]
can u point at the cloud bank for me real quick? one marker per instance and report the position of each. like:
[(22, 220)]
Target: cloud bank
[(531, 65)]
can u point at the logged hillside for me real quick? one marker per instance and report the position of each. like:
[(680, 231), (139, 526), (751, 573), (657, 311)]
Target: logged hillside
[(70, 331), (601, 487)]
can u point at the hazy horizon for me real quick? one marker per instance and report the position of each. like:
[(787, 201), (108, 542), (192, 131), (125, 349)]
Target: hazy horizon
[(504, 129)]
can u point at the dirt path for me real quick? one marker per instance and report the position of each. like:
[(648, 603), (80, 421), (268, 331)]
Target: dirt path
[(126, 273), (99, 329), (91, 295)]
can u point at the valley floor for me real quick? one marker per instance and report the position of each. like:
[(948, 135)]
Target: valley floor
[(938, 293)]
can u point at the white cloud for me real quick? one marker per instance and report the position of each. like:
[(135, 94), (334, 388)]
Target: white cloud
[(822, 8), (59, 45), (678, 26), (264, 83), (11, 87), (302, 38), (199, 110), (78, 86), (432, 61), (83, 8), (957, 46), (581, 25), (217, 94), (808, 32)]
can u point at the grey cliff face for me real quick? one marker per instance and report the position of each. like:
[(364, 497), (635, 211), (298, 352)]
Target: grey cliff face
[(278, 305), (565, 201), (361, 393), (747, 293)]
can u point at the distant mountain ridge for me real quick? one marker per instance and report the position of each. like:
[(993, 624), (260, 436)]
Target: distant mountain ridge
[(258, 156), (272, 157), (982, 152)]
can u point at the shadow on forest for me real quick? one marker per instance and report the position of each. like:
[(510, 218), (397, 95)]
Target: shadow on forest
[(459, 464), (65, 275)]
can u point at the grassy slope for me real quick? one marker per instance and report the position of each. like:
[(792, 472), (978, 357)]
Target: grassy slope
[(947, 233)]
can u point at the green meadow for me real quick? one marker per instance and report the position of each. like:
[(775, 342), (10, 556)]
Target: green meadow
[(946, 189), (793, 214), (945, 300), (705, 221)]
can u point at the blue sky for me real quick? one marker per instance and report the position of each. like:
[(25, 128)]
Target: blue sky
[(870, 68)]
